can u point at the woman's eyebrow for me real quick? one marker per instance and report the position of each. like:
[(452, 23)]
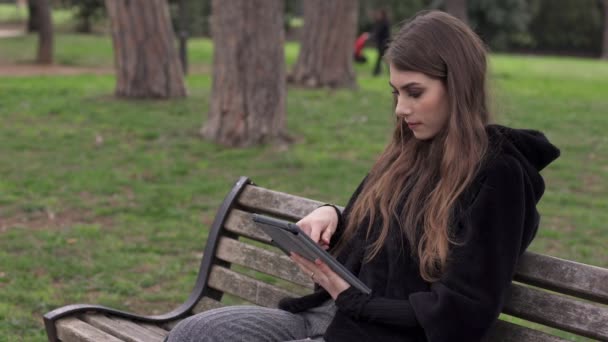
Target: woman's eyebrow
[(405, 86)]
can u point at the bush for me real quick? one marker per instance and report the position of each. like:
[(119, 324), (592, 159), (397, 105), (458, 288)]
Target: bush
[(198, 13), (502, 24), (568, 26), (397, 10), (86, 13)]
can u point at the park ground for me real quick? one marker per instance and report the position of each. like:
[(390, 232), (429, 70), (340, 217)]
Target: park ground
[(108, 201)]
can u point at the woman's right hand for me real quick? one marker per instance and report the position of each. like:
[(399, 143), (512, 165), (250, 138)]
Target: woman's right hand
[(320, 225)]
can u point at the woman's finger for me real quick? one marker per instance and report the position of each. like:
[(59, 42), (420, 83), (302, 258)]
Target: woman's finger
[(326, 236), (304, 226), (315, 231), (324, 268), (304, 265), (303, 261)]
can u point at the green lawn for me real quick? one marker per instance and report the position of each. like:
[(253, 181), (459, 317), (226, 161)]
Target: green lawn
[(96, 51), (11, 14), (123, 222)]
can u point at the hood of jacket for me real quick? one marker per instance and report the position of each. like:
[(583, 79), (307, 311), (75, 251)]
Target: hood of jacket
[(531, 148)]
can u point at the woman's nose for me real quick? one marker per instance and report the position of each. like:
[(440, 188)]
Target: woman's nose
[(403, 108)]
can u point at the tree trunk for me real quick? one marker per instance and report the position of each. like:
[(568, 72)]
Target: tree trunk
[(146, 61), (45, 32), (248, 93), (605, 40), (32, 19), (326, 48), (457, 8)]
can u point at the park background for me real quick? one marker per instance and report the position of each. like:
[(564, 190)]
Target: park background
[(106, 198)]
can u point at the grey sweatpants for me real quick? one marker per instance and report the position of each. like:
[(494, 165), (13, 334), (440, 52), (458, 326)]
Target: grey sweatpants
[(254, 324)]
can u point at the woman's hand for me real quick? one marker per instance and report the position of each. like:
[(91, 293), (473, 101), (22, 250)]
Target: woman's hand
[(321, 274), (320, 225)]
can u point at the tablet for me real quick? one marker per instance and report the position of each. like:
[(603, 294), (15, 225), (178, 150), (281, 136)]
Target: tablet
[(290, 238)]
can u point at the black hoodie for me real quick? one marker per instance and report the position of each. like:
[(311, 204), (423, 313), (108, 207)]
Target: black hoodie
[(497, 222)]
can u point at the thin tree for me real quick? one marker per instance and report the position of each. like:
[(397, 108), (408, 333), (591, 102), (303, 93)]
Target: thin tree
[(326, 48), (457, 8), (605, 40), (248, 93), (32, 16), (146, 61), (45, 32)]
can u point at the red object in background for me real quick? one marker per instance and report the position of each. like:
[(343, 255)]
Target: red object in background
[(359, 44)]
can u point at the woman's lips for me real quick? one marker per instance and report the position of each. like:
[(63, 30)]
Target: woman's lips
[(413, 125)]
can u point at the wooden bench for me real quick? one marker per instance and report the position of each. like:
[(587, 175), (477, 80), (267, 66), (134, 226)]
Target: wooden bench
[(554, 292)]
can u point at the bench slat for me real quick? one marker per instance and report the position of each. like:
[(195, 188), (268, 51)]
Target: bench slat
[(278, 265), (72, 329), (239, 222), (564, 276), (504, 331), (123, 329), (277, 203), (205, 304), (254, 291), (155, 329), (171, 324), (140, 328), (557, 311)]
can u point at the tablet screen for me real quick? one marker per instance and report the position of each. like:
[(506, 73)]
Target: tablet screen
[(290, 238)]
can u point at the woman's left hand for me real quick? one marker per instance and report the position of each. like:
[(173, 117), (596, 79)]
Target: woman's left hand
[(321, 274)]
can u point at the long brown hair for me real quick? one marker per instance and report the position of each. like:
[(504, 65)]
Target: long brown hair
[(430, 174)]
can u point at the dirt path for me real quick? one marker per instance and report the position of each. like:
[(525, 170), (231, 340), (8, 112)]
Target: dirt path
[(7, 31), (23, 69), (11, 30)]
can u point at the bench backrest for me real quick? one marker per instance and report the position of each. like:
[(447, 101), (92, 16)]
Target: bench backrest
[(239, 261)]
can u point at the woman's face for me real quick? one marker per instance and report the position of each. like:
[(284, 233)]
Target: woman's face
[(422, 102)]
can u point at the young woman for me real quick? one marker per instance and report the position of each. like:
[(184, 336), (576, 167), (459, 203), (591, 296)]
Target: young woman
[(437, 226)]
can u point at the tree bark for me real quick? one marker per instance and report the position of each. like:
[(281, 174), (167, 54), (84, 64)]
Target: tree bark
[(605, 40), (326, 47), (248, 93), (146, 61), (45, 32), (457, 8)]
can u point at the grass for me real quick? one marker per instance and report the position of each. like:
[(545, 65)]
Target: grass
[(107, 201), (96, 50), (70, 49), (11, 14)]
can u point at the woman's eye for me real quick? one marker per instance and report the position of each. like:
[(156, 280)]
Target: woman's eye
[(415, 95), (394, 92)]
